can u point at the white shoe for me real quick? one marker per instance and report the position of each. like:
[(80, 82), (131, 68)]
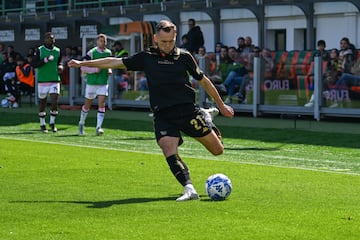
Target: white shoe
[(211, 112), (140, 98), (99, 131), (81, 129), (309, 104), (311, 101), (334, 105), (189, 194)]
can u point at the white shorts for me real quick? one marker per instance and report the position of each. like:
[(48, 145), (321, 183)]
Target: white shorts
[(47, 88), (91, 91)]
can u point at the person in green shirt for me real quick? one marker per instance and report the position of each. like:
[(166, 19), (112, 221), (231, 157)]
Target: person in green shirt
[(96, 85), (47, 59)]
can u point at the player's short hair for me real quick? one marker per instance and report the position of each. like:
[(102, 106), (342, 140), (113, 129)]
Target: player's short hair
[(321, 42), (48, 34), (166, 26), (101, 35)]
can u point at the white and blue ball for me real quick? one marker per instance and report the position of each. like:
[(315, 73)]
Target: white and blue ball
[(5, 103), (218, 187)]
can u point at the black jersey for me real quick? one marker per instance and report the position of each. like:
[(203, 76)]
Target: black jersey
[(168, 76)]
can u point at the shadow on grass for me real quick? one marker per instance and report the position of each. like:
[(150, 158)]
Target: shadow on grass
[(68, 135), (251, 149), (21, 132), (136, 138), (106, 204)]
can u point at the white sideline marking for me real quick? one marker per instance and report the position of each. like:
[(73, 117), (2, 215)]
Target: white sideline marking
[(336, 171)]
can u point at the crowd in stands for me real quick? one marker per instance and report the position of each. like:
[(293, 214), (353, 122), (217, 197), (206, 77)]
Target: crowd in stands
[(231, 69)]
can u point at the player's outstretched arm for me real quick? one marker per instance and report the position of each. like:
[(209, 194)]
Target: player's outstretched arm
[(108, 62), (210, 89)]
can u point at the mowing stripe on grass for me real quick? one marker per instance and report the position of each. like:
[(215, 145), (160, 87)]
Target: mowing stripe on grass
[(336, 171)]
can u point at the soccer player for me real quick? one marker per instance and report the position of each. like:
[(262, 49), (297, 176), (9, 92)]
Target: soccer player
[(47, 60), (172, 99), (96, 85)]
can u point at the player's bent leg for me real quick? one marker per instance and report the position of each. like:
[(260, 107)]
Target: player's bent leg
[(169, 145), (212, 143)]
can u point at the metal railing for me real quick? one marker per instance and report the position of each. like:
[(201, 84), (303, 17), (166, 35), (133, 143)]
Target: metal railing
[(256, 106)]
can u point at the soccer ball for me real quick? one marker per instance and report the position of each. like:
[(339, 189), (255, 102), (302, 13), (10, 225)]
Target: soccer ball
[(5, 103), (218, 187)]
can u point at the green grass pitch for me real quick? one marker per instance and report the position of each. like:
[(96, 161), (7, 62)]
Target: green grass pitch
[(288, 183)]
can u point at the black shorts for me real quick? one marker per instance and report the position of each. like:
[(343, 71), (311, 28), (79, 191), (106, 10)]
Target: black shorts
[(187, 118)]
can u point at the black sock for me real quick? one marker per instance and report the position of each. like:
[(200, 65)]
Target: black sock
[(179, 169)]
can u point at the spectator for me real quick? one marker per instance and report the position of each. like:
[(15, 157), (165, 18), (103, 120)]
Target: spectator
[(222, 64), (29, 58), (321, 50), (184, 41), (96, 85), (11, 86), (13, 94), (240, 44), (247, 50), (235, 73), (222, 69), (11, 52), (195, 37), (201, 53), (345, 63), (332, 66), (347, 80), (142, 86), (2, 49), (120, 75), (31, 51), (47, 60), (9, 69), (346, 57), (330, 77), (67, 55), (3, 66), (25, 75), (248, 45), (75, 53), (217, 52), (224, 55), (269, 65)]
